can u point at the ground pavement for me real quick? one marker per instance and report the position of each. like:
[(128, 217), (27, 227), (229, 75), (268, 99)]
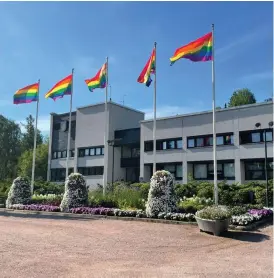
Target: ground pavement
[(36, 247)]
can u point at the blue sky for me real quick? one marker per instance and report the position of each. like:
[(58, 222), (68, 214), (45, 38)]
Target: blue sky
[(45, 40)]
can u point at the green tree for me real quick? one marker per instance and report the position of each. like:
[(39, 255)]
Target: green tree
[(10, 135), (241, 97), (41, 162), (28, 136)]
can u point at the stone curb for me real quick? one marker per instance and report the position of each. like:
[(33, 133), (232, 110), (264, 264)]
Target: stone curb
[(11, 212)]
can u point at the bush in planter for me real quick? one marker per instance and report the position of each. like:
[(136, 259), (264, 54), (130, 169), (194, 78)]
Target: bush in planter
[(161, 196), (76, 192), (19, 193), (214, 213)]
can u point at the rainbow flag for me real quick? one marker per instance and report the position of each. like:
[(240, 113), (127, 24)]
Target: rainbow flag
[(196, 51), (147, 70), (61, 88), (27, 94), (99, 80)]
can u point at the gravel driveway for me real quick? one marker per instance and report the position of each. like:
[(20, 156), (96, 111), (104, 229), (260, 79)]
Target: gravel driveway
[(36, 247)]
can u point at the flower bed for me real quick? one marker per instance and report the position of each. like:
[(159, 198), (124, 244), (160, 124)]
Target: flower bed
[(36, 207), (251, 216)]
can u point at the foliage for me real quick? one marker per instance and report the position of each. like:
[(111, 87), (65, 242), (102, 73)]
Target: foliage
[(238, 210), (36, 207), (41, 162), (76, 193), (19, 193), (96, 198), (10, 135), (142, 187), (161, 196), (185, 190), (206, 192), (214, 213), (193, 204), (50, 199), (260, 195), (45, 187), (28, 136), (241, 97)]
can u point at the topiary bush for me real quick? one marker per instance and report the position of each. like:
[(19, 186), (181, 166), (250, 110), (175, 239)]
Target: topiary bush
[(161, 196), (76, 192), (19, 193)]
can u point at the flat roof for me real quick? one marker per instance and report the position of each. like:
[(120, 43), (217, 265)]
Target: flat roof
[(97, 104), (210, 111)]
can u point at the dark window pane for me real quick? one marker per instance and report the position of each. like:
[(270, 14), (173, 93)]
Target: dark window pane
[(103, 149), (135, 152), (209, 141), (179, 171), (72, 153), (59, 154), (64, 154), (148, 146), (170, 144), (200, 171), (229, 140), (81, 152), (200, 142)]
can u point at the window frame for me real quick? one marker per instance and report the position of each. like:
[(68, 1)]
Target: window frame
[(160, 143), (263, 177), (161, 166), (246, 136)]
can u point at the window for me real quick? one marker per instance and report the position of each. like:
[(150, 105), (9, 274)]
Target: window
[(191, 143), (255, 137), (148, 146), (219, 140), (72, 153), (81, 152), (54, 155), (59, 174), (200, 142), (167, 144), (200, 171), (135, 152), (59, 154), (207, 140), (86, 152), (179, 144), (56, 126), (254, 170), (98, 151), (205, 171), (91, 151), (251, 136), (268, 135), (174, 168), (91, 171), (64, 154)]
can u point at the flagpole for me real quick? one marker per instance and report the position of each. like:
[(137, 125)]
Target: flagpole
[(214, 121), (35, 139), (154, 120), (106, 132), (69, 131)]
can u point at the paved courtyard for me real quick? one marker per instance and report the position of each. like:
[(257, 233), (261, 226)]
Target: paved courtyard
[(36, 247)]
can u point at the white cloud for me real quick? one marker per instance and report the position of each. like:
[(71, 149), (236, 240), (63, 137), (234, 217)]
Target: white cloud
[(168, 110)]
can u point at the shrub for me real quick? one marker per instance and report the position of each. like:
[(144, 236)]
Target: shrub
[(241, 196), (96, 198), (191, 205), (161, 196), (143, 188), (76, 193), (260, 195), (19, 193), (185, 190), (206, 192), (238, 210), (45, 187), (214, 213), (49, 199)]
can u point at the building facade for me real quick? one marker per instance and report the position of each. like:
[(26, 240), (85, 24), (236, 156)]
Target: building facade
[(183, 144)]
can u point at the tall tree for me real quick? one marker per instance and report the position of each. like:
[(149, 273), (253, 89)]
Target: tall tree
[(241, 97), (41, 162), (28, 136), (10, 135)]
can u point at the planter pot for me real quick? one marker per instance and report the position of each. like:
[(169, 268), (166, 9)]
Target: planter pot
[(213, 226)]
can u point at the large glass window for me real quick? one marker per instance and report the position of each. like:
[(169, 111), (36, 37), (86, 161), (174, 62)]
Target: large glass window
[(207, 140), (167, 144), (268, 135), (255, 137), (254, 170), (219, 140), (174, 168), (200, 171), (200, 142), (179, 144), (179, 171), (191, 143), (229, 170)]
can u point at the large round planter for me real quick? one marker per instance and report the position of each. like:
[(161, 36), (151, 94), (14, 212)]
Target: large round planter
[(213, 226)]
